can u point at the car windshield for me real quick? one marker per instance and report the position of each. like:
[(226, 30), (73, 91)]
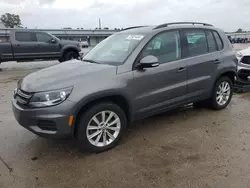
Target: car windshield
[(114, 50)]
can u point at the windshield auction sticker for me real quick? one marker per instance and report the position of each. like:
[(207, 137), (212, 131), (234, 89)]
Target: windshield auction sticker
[(135, 37)]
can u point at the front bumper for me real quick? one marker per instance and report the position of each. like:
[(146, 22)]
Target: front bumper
[(50, 122), (243, 70), (81, 53)]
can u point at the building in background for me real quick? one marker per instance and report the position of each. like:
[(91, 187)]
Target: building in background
[(93, 37), (2, 25)]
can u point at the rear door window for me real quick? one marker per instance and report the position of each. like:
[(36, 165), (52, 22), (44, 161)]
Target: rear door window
[(43, 37), (25, 37), (196, 42)]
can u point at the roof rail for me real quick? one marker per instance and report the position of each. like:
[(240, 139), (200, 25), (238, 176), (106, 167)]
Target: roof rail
[(134, 27), (176, 23)]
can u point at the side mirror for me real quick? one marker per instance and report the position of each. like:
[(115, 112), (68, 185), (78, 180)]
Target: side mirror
[(149, 61), (53, 41)]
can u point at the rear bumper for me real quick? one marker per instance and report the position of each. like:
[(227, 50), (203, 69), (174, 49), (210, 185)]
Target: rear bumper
[(50, 122)]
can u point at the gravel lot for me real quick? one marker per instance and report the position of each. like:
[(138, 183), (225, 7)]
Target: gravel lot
[(193, 148)]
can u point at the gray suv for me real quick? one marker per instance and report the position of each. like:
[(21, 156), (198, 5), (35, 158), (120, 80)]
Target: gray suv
[(131, 75)]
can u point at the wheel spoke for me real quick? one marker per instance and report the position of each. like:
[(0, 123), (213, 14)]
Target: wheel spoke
[(227, 90), (113, 128), (110, 135), (109, 118), (96, 120), (98, 138), (218, 98), (225, 98), (94, 134), (114, 122), (103, 116), (221, 99), (91, 127), (223, 86), (220, 88), (104, 138)]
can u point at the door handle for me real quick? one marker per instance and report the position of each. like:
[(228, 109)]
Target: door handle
[(217, 61), (181, 69)]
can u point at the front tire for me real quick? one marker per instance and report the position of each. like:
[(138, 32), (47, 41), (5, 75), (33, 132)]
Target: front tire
[(69, 55), (222, 93), (101, 127)]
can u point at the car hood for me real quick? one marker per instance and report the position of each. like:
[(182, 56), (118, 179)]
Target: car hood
[(64, 75), (245, 51)]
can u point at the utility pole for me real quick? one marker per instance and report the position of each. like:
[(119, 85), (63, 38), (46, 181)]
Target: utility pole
[(100, 23)]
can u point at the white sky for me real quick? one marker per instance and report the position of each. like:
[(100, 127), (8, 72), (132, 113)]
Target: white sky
[(226, 14)]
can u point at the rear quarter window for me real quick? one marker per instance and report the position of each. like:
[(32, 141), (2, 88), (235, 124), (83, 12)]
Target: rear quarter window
[(218, 40), (212, 47)]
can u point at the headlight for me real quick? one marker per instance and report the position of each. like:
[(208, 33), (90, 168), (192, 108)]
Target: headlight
[(239, 54), (50, 98)]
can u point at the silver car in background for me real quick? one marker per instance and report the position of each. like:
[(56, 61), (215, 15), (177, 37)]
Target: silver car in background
[(243, 67)]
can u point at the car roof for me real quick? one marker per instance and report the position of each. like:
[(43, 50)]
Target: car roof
[(27, 30), (177, 25)]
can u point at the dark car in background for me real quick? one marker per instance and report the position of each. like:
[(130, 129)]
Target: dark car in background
[(238, 39), (25, 45)]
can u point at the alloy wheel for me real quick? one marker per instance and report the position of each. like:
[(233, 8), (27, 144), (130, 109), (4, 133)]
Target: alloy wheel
[(103, 128), (223, 93)]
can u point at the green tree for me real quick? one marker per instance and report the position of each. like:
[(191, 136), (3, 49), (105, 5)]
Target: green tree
[(10, 20)]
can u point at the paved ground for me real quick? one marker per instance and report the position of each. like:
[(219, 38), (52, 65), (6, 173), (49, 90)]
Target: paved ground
[(189, 147), (238, 47), (32, 65)]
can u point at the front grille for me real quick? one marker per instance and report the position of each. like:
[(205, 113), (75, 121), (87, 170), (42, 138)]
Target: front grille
[(246, 60), (23, 97), (47, 125), (244, 72)]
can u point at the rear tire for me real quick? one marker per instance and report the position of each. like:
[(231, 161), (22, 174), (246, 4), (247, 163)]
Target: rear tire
[(69, 55), (221, 94), (96, 131)]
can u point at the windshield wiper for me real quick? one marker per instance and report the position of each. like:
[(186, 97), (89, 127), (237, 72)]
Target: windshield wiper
[(91, 61)]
